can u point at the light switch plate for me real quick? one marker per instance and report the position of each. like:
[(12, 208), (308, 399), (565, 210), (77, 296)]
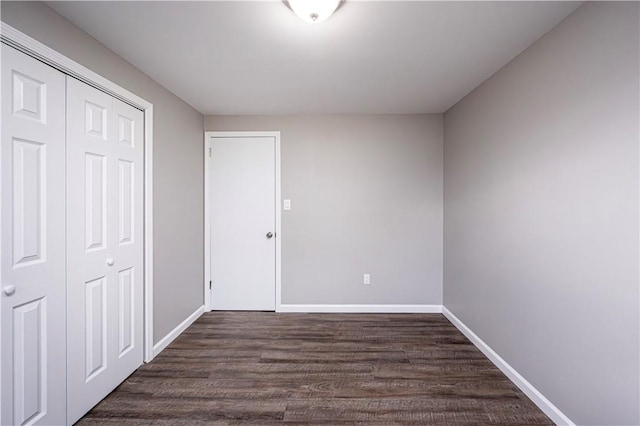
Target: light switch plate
[(366, 279), (286, 205)]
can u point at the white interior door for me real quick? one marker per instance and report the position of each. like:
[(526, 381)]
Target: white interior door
[(243, 223), (104, 246), (33, 242)]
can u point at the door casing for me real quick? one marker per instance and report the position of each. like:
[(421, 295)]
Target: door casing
[(30, 46), (207, 209)]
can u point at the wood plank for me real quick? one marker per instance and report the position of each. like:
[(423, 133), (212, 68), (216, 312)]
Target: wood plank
[(267, 368)]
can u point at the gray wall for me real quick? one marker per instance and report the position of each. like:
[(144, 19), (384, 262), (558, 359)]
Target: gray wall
[(366, 196), (541, 213), (178, 170)]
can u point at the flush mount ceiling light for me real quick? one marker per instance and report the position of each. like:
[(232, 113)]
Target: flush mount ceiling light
[(313, 11)]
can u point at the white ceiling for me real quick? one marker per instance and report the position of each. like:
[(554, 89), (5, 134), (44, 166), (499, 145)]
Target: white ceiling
[(241, 57)]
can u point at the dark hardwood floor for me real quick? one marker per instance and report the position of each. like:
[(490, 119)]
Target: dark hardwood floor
[(257, 367)]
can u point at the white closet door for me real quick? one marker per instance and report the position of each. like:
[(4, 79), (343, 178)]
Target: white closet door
[(33, 242), (104, 257)]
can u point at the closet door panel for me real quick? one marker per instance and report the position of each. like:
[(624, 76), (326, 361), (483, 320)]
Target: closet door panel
[(89, 282), (128, 235), (32, 320), (104, 214)]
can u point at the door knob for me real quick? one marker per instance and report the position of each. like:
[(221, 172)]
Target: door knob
[(9, 290), (269, 235), (110, 262)]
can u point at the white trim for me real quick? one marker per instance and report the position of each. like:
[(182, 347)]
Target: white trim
[(207, 224), (34, 48), (363, 309), (554, 413), (171, 336), (638, 231), (148, 234), (207, 212), (278, 225)]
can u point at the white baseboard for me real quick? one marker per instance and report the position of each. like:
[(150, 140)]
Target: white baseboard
[(363, 309), (170, 337), (527, 388)]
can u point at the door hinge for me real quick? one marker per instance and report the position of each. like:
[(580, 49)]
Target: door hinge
[(209, 151), (209, 285)]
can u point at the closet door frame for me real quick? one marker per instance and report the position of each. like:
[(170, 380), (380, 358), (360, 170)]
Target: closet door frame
[(28, 45)]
